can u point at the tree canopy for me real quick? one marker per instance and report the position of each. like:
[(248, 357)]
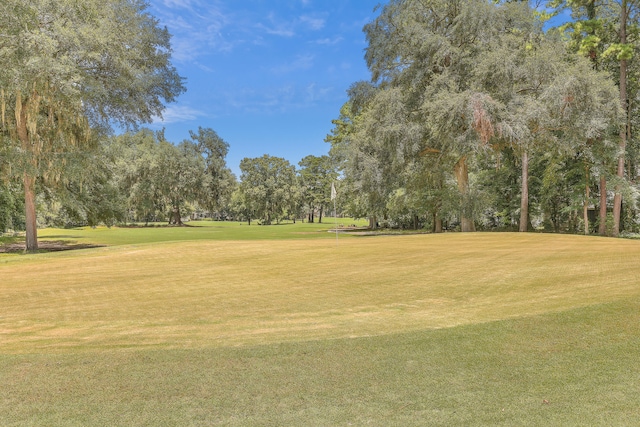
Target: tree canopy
[(268, 188)]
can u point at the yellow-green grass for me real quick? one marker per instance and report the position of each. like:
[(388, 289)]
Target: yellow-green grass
[(455, 329)]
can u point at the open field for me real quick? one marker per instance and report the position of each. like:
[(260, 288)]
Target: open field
[(201, 230), (194, 230), (453, 329)]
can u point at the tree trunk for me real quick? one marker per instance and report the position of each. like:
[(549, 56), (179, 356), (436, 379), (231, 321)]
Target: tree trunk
[(462, 177), (622, 145), (31, 224), (437, 223), (585, 207), (467, 225), (175, 216), (524, 199), (602, 226), (320, 213), (373, 222), (30, 213)]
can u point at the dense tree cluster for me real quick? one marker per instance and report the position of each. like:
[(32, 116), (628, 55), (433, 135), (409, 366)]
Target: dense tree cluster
[(140, 177), (163, 181), (478, 117)]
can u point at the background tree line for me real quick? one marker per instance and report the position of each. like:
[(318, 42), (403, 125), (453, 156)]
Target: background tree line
[(140, 177)]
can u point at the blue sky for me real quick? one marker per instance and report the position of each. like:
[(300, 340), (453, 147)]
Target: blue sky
[(267, 75)]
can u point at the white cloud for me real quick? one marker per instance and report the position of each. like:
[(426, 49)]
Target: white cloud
[(176, 114), (329, 41), (277, 27), (178, 4), (205, 27), (204, 67), (285, 98), (196, 27), (315, 93), (301, 62), (313, 23), (279, 31)]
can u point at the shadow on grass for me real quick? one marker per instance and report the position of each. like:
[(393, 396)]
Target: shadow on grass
[(64, 236), (46, 246)]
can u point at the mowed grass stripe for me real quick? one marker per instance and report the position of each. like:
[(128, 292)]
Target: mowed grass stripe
[(574, 368), (204, 294)]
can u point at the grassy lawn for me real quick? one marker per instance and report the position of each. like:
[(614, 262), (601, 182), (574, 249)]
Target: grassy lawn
[(197, 230), (208, 326)]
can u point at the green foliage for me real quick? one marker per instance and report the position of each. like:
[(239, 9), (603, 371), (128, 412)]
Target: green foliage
[(621, 52), (137, 173), (316, 176), (491, 81), (162, 180), (11, 208), (220, 182), (180, 176), (268, 188), (81, 56)]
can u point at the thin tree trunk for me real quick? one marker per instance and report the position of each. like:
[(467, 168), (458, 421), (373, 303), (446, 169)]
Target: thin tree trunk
[(524, 199), (593, 55), (320, 217), (437, 221), (585, 207), (622, 145), (30, 213), (462, 177), (602, 226)]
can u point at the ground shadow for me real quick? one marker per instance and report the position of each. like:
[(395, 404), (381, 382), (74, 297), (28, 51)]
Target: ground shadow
[(46, 246)]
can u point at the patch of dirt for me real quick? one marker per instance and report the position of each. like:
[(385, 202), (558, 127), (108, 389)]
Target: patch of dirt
[(47, 246)]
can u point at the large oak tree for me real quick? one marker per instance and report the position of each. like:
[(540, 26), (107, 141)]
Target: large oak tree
[(71, 68)]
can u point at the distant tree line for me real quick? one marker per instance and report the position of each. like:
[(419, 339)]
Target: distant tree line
[(140, 177)]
